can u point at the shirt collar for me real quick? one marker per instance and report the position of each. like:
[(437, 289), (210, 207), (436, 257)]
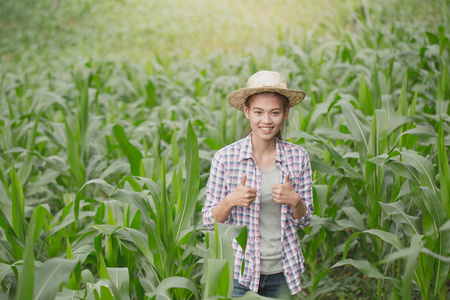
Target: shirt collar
[(280, 155), (246, 151)]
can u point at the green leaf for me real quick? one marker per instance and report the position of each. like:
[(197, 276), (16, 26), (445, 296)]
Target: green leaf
[(75, 278), (358, 130), (425, 133), (430, 204), (397, 210), (444, 169), (409, 272), (121, 279), (142, 244), (354, 216), (378, 135), (50, 275), (107, 290), (219, 243), (175, 151), (26, 280), (103, 272), (217, 282), (335, 154), (424, 168), (151, 94), (191, 186), (25, 169), (347, 244), (5, 269), (18, 204), (132, 153), (364, 266), (320, 193), (173, 282), (404, 170), (316, 282), (445, 226), (318, 165), (73, 156), (125, 196), (387, 237), (328, 223), (403, 100), (432, 38), (15, 245), (356, 195), (164, 222), (365, 97)]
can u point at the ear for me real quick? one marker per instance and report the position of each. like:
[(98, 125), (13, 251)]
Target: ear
[(247, 111), (286, 113)]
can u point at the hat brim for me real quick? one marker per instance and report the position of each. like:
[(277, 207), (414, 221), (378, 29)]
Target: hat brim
[(237, 98)]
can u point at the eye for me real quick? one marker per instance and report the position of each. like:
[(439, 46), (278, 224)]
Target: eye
[(257, 112), (275, 113)]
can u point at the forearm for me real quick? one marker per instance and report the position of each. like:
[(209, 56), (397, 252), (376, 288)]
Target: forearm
[(222, 210), (299, 210)]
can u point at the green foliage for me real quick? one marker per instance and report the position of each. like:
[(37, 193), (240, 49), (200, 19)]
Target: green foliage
[(104, 162)]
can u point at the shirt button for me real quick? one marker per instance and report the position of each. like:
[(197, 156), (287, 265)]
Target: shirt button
[(288, 273)]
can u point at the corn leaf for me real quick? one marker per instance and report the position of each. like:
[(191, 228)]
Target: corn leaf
[(121, 279), (365, 267), (51, 275), (358, 130), (397, 210), (18, 206), (191, 185), (73, 155), (217, 282), (174, 282), (387, 237), (131, 152), (27, 279), (444, 169)]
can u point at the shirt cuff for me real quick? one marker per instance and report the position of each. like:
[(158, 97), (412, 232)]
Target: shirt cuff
[(303, 221), (208, 219)]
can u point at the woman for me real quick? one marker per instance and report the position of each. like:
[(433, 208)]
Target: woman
[(264, 183)]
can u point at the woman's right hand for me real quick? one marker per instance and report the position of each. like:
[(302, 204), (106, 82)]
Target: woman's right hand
[(242, 196)]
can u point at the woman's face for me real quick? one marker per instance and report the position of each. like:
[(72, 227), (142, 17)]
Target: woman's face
[(266, 113)]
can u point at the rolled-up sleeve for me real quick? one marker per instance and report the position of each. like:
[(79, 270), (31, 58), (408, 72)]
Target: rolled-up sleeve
[(216, 190), (305, 192)]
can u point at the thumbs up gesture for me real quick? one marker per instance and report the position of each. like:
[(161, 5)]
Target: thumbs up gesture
[(285, 194), (243, 195)]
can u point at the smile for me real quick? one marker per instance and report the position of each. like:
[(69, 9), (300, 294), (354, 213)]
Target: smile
[(266, 129)]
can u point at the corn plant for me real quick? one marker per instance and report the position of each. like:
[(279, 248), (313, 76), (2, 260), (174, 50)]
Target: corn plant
[(102, 176)]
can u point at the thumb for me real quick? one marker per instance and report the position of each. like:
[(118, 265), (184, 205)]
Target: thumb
[(243, 180), (287, 179)]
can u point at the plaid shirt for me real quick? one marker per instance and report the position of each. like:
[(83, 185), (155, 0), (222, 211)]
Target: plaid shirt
[(227, 168)]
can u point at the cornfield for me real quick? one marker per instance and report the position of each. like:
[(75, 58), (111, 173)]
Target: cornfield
[(104, 159)]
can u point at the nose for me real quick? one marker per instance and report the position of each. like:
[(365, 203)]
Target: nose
[(267, 119)]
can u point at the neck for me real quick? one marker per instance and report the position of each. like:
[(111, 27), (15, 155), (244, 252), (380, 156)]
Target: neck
[(264, 153), (263, 147)]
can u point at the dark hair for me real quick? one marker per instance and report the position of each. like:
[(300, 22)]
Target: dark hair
[(285, 102)]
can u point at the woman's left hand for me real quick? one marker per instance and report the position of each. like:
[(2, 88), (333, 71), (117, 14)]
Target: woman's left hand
[(285, 194)]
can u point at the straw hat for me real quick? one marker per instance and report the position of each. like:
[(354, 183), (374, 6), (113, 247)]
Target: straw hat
[(265, 82)]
